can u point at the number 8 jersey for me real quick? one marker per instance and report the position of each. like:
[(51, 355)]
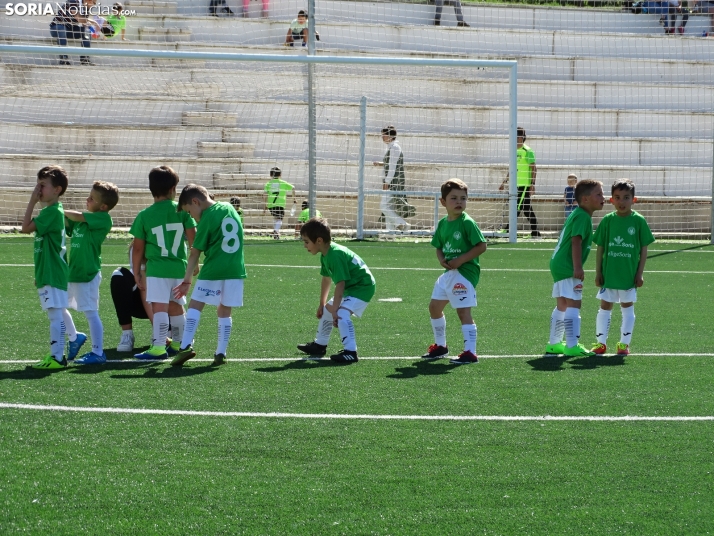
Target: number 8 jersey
[(220, 236)]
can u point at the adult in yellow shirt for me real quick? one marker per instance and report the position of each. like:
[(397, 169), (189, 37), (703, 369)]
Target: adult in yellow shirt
[(526, 177)]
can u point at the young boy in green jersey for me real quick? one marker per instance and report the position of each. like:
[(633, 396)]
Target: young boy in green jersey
[(50, 254), (88, 230), (459, 243), (160, 236), (566, 267), (622, 238), (219, 236), (354, 288), (276, 191), (303, 217)]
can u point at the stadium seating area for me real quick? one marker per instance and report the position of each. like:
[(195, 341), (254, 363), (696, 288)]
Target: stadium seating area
[(603, 94)]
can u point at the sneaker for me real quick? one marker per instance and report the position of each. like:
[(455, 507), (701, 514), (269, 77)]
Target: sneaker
[(218, 360), (680, 30), (622, 348), (502, 231), (153, 353), (578, 351), (462, 24), (313, 349), (435, 352), (92, 359), (50, 363), (599, 348), (345, 357), (126, 344), (535, 235), (183, 355), (172, 348), (85, 60), (465, 358), (555, 349), (74, 347)]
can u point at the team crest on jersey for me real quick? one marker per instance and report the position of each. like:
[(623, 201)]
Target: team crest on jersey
[(459, 289), (457, 235), (631, 231)]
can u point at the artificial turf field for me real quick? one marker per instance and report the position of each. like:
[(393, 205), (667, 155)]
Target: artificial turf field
[(274, 444)]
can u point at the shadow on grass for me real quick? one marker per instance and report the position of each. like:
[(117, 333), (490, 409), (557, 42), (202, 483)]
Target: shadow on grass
[(422, 368), (677, 251), (597, 361), (28, 373), (152, 371), (548, 363), (300, 364)]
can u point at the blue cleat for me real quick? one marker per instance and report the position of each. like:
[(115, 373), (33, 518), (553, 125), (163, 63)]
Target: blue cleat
[(92, 359), (74, 347)]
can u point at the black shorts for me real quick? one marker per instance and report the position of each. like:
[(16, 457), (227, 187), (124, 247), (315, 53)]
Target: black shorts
[(277, 212)]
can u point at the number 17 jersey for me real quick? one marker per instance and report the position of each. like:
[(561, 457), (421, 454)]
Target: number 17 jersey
[(220, 236)]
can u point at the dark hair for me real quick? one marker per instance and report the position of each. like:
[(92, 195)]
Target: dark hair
[(316, 228), (305, 204), (235, 201), (161, 180), (189, 192), (302, 13), (275, 172), (623, 184), (390, 131), (108, 193), (453, 184), (585, 187), (56, 175), (521, 132)]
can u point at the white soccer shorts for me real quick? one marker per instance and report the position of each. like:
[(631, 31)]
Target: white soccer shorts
[(161, 290), (456, 289), (226, 292), (352, 304), (569, 288), (84, 296), (617, 296), (52, 298)]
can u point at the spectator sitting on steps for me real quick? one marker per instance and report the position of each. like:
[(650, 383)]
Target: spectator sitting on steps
[(298, 31)]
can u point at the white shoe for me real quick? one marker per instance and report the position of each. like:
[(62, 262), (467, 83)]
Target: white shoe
[(404, 227), (127, 342)]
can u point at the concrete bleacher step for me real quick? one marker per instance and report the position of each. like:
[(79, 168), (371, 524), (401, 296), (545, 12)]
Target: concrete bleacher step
[(240, 181), (151, 7), (171, 35), (219, 149), (215, 119)]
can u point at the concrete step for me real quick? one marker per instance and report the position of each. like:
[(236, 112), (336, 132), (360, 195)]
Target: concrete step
[(219, 149), (151, 7), (240, 181), (169, 35), (208, 119)]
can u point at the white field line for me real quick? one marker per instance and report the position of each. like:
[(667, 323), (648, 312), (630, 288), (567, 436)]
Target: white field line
[(325, 416)]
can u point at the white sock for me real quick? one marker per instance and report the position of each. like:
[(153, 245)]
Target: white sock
[(324, 328), (224, 334), (571, 321), (70, 328), (602, 325), (127, 332), (628, 324), (177, 326), (277, 225), (347, 330), (96, 331), (160, 329), (57, 332), (193, 317), (557, 326), (438, 326), (470, 333)]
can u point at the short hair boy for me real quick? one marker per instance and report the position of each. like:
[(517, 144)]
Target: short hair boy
[(566, 267), (298, 30), (276, 190), (158, 232), (569, 194), (304, 217), (459, 243), (51, 271), (622, 238), (354, 288), (88, 230), (219, 236), (235, 202)]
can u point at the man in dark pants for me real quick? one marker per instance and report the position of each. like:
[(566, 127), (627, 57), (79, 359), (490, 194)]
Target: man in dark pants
[(70, 22), (526, 176)]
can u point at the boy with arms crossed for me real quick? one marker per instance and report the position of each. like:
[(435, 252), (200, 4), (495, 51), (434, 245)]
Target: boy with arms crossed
[(622, 239), (51, 271), (220, 236), (88, 230), (566, 267), (158, 232), (354, 288), (459, 243)]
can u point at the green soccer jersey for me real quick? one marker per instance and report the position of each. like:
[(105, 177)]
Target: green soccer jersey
[(621, 239), (305, 215), (51, 248), (342, 264), (220, 236), (524, 158), (85, 251), (579, 223), (162, 228), (277, 190), (455, 238)]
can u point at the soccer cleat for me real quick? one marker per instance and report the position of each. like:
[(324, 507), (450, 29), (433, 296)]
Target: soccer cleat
[(555, 349), (73, 347), (173, 347), (313, 349), (183, 355), (218, 360), (50, 363), (92, 359), (578, 351), (465, 358), (622, 348), (344, 357), (436, 352), (153, 354), (126, 344), (599, 348)]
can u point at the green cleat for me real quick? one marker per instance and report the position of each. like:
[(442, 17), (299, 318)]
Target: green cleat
[(50, 363), (578, 351), (154, 353), (183, 355), (622, 348), (555, 349)]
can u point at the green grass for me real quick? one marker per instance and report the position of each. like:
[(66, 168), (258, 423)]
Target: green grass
[(122, 473)]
